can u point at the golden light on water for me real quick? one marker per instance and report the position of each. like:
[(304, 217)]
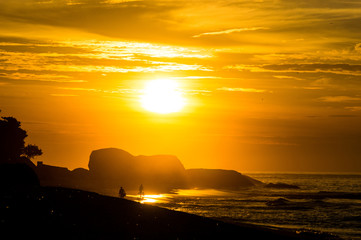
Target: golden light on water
[(153, 198), (149, 198), (162, 96)]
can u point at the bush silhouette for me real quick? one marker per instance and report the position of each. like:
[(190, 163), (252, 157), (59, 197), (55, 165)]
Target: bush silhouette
[(12, 142), (31, 151)]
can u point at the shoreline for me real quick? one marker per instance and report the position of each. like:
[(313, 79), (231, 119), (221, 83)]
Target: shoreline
[(64, 213)]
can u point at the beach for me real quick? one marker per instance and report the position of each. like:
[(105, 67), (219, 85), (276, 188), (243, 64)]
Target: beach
[(63, 213)]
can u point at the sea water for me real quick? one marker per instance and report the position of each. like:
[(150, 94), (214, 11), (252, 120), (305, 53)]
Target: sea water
[(324, 202)]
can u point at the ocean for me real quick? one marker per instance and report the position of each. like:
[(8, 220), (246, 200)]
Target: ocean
[(324, 202)]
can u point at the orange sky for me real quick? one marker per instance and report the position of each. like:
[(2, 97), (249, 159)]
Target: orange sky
[(268, 85)]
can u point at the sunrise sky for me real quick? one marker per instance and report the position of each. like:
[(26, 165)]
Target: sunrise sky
[(255, 85)]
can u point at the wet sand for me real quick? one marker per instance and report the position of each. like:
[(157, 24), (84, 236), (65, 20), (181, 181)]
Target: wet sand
[(62, 213)]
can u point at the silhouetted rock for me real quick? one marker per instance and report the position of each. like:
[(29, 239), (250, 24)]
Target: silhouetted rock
[(278, 202), (80, 178), (110, 163), (218, 179), (284, 204), (117, 167), (281, 186), (161, 171), (52, 175), (111, 168), (17, 175), (62, 177), (80, 173)]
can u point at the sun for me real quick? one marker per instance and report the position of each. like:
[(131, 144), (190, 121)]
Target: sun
[(162, 96)]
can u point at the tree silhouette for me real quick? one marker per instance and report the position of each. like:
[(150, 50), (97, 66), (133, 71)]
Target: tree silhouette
[(31, 151), (12, 141)]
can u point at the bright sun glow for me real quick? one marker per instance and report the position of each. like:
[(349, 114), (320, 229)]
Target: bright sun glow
[(162, 96)]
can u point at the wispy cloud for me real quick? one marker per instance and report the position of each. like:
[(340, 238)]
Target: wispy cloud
[(94, 56), (133, 49), (341, 69), (112, 91), (251, 90), (354, 108), (197, 92), (63, 95), (118, 1), (40, 77), (228, 31), (287, 77), (343, 116), (358, 47), (338, 99)]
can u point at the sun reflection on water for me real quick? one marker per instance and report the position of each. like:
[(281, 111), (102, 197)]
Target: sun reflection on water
[(152, 198), (149, 198)]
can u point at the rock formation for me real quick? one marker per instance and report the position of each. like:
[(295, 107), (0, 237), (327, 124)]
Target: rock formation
[(218, 179), (117, 167), (111, 168), (281, 186)]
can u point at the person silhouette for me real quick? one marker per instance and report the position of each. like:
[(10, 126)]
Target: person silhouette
[(141, 191), (122, 192)]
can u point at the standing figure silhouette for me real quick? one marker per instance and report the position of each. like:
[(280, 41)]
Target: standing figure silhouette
[(122, 192), (141, 191)]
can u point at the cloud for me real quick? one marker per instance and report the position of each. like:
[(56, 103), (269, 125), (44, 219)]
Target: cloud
[(174, 21), (92, 56), (287, 77), (79, 89), (358, 47), (354, 108), (251, 90), (228, 31), (118, 1), (113, 91), (268, 140), (132, 20), (63, 95), (338, 99), (343, 116), (40, 77), (342, 69), (196, 92), (198, 77)]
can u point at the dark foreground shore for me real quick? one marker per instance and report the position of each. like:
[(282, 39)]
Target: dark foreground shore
[(61, 213)]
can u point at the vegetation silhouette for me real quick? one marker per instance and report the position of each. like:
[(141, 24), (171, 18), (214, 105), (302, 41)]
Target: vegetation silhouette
[(12, 142), (16, 168)]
